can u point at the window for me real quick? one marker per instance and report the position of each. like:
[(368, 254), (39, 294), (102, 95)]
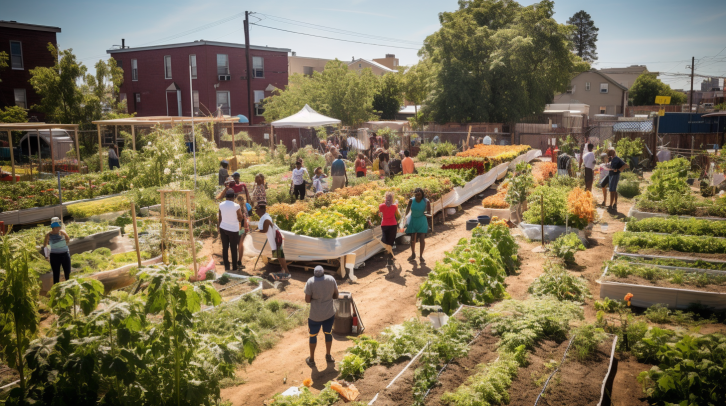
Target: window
[(603, 87), (222, 65), (134, 70), (570, 89), (138, 97), (195, 101), (308, 70), (120, 64), (20, 99), (603, 109), (587, 86), (259, 95), (167, 67), (223, 102), (258, 67), (360, 65), (193, 64), (16, 55)]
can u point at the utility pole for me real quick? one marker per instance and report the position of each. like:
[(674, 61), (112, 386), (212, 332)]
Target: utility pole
[(249, 71), (690, 98)]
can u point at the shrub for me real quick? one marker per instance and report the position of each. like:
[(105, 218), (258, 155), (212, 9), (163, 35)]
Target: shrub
[(566, 245), (587, 338), (93, 208), (628, 189), (557, 282)]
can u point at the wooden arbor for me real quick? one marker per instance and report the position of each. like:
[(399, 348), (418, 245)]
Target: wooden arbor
[(10, 127)]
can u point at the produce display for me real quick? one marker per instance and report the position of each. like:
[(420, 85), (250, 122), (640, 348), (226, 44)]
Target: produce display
[(634, 242)]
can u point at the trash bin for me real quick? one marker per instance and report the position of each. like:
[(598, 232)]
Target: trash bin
[(343, 313)]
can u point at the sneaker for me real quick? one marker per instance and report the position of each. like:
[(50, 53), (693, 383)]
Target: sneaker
[(310, 362), (329, 358)]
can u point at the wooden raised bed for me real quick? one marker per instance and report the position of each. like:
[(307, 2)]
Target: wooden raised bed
[(42, 214)]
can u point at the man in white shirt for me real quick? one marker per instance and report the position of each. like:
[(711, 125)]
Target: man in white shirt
[(298, 180), (230, 217), (267, 227), (588, 161)]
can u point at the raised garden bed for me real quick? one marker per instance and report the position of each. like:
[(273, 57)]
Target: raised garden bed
[(42, 214)]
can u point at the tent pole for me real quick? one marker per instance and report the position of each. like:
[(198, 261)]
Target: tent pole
[(12, 155), (100, 152)]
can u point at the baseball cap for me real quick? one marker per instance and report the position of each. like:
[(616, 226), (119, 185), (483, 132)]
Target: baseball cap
[(55, 222), (235, 174), (224, 161), (319, 271)]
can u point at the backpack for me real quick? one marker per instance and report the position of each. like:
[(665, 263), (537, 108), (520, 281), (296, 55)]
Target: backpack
[(278, 237)]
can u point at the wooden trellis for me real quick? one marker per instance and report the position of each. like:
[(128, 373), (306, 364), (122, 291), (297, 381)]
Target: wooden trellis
[(177, 210)]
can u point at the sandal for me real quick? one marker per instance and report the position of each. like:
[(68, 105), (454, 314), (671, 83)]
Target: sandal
[(329, 358), (412, 257), (311, 363)]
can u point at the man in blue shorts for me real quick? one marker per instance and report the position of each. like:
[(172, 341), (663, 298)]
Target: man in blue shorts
[(320, 290), (617, 166)]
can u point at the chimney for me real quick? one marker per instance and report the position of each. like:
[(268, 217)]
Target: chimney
[(123, 43), (390, 56), (352, 59), (294, 53)]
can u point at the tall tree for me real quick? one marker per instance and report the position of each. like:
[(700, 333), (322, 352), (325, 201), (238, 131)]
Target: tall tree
[(389, 98), (336, 92), (584, 37), (498, 61), (647, 86), (417, 83)]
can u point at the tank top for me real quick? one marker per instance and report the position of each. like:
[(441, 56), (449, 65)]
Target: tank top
[(228, 210), (57, 244)]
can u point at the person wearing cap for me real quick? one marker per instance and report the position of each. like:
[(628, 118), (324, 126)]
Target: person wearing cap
[(230, 217), (223, 173), (320, 290), (57, 252)]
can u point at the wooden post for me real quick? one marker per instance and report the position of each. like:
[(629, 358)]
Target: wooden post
[(100, 149), (136, 233), (78, 153), (12, 155), (115, 135), (52, 156), (234, 142), (133, 137), (163, 227), (542, 216), (37, 138), (272, 138), (191, 230), (467, 139)]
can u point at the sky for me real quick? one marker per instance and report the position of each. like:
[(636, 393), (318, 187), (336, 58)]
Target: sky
[(663, 35)]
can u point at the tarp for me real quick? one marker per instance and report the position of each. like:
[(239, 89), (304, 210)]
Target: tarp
[(306, 118)]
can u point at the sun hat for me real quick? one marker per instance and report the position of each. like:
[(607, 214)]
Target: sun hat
[(55, 222), (319, 271)]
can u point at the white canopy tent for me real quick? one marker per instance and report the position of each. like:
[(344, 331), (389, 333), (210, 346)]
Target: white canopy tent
[(306, 118)]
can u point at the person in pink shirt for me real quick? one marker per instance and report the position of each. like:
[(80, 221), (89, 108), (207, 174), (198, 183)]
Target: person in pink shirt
[(389, 224)]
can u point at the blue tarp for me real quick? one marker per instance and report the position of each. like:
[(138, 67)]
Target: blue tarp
[(242, 118)]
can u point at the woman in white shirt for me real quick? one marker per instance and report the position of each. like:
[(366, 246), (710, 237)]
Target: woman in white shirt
[(230, 217), (298, 180)]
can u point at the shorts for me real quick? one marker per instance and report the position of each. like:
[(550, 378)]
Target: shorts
[(360, 174), (588, 178), (278, 253), (314, 329), (614, 179)]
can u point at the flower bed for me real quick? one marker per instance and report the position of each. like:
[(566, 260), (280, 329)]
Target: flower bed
[(497, 201), (562, 206), (543, 171), (497, 153)]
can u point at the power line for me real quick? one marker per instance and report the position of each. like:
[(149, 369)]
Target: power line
[(335, 39), (197, 29)]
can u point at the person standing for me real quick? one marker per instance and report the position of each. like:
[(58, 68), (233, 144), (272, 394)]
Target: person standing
[(223, 173), (394, 167), (338, 173), (604, 180), (298, 180), (230, 217), (320, 290), (267, 227), (57, 252), (259, 193), (407, 163), (239, 187), (113, 161), (588, 161), (244, 230), (418, 224), (330, 156), (385, 164), (617, 165), (360, 166), (389, 224)]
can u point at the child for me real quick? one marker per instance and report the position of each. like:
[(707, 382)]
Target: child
[(223, 174), (243, 231), (266, 226), (604, 178), (318, 182)]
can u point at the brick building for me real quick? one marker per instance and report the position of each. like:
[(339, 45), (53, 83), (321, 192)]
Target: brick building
[(27, 47), (156, 78)]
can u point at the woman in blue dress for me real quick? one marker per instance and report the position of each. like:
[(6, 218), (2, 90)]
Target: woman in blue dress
[(418, 225)]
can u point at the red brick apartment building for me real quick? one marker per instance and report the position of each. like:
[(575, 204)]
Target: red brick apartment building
[(27, 47), (156, 78)]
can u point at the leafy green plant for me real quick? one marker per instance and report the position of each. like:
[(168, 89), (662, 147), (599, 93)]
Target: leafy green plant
[(520, 185), (559, 283), (502, 238), (565, 247), (623, 269), (628, 189), (587, 338), (626, 148), (701, 264), (676, 225), (668, 178), (76, 293), (606, 305), (326, 397), (633, 242)]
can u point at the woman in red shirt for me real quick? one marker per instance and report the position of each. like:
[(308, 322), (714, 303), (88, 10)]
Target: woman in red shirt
[(360, 166), (389, 224)]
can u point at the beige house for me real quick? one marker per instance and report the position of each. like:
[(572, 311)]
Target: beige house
[(626, 76), (598, 90), (377, 68), (390, 61), (305, 65)]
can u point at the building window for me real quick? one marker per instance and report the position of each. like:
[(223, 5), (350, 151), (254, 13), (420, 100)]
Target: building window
[(20, 99), (360, 65), (138, 97), (308, 71), (134, 70), (603, 87), (195, 100), (223, 102), (137, 100), (259, 95), (587, 86), (222, 64), (570, 89), (193, 65), (120, 64), (167, 67), (16, 55), (258, 67), (603, 109)]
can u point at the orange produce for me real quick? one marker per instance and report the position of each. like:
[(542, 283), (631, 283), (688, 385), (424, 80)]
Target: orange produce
[(581, 205), (542, 171)]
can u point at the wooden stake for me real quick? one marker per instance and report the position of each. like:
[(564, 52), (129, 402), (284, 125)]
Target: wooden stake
[(100, 149), (136, 233), (52, 156), (191, 231), (542, 216), (467, 139), (163, 227), (234, 142), (133, 137), (37, 138), (78, 153), (12, 155)]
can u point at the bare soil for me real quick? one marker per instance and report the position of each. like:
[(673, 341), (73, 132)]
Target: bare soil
[(530, 379), (664, 283)]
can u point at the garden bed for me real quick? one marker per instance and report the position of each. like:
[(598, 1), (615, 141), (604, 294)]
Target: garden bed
[(635, 213), (42, 214)]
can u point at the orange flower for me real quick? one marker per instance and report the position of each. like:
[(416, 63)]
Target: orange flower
[(581, 205), (628, 297), (307, 382), (490, 151), (185, 287)]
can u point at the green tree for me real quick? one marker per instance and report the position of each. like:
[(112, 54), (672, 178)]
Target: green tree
[(336, 92), (584, 37), (416, 88), (3, 62), (497, 61), (647, 86), (389, 98), (13, 114)]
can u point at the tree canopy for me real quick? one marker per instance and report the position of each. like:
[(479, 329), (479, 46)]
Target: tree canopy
[(647, 86), (584, 36), (389, 98), (336, 92), (497, 61)]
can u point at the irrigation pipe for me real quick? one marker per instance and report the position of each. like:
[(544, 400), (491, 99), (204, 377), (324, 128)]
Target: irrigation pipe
[(555, 371)]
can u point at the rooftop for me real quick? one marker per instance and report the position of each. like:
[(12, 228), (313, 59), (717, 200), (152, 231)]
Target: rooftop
[(200, 42), (24, 26), (376, 64)]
